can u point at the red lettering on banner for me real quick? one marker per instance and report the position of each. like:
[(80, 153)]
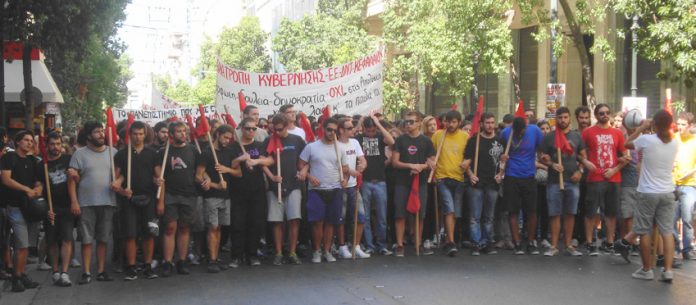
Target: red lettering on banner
[(240, 77)]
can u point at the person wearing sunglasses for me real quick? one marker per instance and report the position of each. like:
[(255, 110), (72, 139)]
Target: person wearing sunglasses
[(248, 204), (319, 163), (607, 154), (413, 154), (290, 113), (251, 112), (289, 208)]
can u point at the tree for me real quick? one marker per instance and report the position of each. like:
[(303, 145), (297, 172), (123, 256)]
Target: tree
[(447, 42)]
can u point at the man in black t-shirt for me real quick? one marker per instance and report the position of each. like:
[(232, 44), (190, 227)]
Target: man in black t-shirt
[(139, 207), (374, 188), (248, 193), (216, 198), (61, 231), (179, 197), (484, 191), (413, 154), (20, 176), (289, 208)]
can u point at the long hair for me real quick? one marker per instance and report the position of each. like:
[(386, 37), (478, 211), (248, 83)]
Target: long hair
[(663, 125)]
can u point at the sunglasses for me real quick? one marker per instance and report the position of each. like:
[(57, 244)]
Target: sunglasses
[(263, 126), (250, 128), (603, 113), (409, 122), (279, 129), (329, 129), (348, 128)]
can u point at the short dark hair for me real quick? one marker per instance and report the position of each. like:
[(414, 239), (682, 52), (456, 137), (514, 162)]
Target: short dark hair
[(562, 110), (518, 124), (508, 118), (54, 135), (342, 122), (91, 126), (174, 125), (248, 109), (581, 109), (600, 106), (452, 115), (160, 125), (417, 114), (279, 119), (137, 125), (224, 128), (285, 108), (329, 121), (23, 133), (245, 121), (486, 115)]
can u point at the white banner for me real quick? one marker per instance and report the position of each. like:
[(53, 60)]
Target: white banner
[(351, 88), (151, 117)]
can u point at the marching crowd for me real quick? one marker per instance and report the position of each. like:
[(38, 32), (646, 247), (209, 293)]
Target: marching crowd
[(167, 196)]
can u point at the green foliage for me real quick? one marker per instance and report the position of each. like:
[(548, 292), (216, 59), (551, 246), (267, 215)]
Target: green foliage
[(399, 92)]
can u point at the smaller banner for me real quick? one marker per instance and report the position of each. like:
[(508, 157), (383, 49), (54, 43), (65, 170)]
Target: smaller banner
[(151, 117)]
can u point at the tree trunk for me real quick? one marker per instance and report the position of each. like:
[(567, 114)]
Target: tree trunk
[(582, 50), (28, 98), (515, 83)]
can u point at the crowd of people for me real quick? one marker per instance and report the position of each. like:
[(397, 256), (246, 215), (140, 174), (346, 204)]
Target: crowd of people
[(269, 189)]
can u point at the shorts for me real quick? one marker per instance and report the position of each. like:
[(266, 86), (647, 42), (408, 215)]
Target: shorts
[(520, 193), (349, 205), (290, 208), (217, 211), (401, 193), (603, 195), (451, 193), (62, 229), (658, 207), (563, 202), (96, 223), (181, 209), (20, 228), (325, 205), (134, 219), (629, 200)]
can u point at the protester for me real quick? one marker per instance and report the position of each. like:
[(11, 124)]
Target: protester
[(252, 112), (684, 170), (291, 114)]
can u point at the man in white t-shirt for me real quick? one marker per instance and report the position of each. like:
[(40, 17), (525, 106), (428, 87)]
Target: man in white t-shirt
[(656, 191), (291, 114)]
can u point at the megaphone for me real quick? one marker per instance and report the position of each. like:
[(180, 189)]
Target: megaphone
[(633, 119)]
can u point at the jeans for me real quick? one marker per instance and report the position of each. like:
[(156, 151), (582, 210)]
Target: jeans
[(375, 192), (684, 211), (482, 205), (451, 192)]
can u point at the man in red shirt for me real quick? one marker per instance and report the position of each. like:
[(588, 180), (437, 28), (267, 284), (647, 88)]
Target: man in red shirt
[(607, 154)]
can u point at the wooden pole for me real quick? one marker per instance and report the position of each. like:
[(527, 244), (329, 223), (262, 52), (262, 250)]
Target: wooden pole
[(418, 232), (111, 159), (212, 148), (476, 153), (338, 159), (198, 146), (235, 135), (48, 180), (507, 148), (437, 155), (437, 218), (164, 166), (355, 222), (560, 174), (280, 189), (128, 178)]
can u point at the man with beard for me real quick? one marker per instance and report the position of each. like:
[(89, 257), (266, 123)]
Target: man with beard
[(139, 206), (20, 176), (563, 202), (216, 198), (61, 231), (161, 136), (582, 116), (604, 145), (93, 199), (179, 197)]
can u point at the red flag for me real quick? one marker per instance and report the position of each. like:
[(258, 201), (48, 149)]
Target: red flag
[(173, 119), (360, 181), (242, 101), (668, 100), (193, 132), (131, 119), (325, 114), (202, 127), (42, 148), (273, 144), (110, 123), (413, 204), (520, 110), (438, 123), (454, 107), (307, 127), (476, 124), (230, 120), (562, 142)]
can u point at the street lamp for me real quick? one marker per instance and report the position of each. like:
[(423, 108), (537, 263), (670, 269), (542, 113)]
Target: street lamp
[(634, 56)]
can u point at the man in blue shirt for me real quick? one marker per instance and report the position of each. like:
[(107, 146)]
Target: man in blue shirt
[(519, 185)]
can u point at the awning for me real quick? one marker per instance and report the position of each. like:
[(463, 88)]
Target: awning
[(41, 78)]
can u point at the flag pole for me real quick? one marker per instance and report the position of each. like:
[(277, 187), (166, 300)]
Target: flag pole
[(476, 152), (130, 148), (48, 181), (418, 232), (355, 223), (235, 134), (338, 159), (437, 217), (212, 148), (164, 166), (560, 174), (280, 189), (111, 159), (507, 148)]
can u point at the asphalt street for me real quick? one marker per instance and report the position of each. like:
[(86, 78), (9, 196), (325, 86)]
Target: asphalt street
[(494, 279)]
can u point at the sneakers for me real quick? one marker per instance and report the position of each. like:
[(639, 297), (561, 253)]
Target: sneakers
[(359, 253), (643, 275), (74, 263), (608, 248), (385, 252), (278, 260), (666, 276), (344, 253), (572, 251), (475, 251), (329, 257), (28, 282), (44, 266), (369, 251), (532, 248), (451, 249), (234, 263), (194, 259), (17, 284), (254, 261), (316, 257), (167, 269), (545, 243), (399, 252), (591, 249), (181, 268), (104, 277), (213, 267), (63, 280), (551, 252), (690, 255), (85, 279), (293, 259), (426, 251), (488, 249), (427, 244), (131, 274), (55, 277), (518, 249), (148, 273), (623, 248)]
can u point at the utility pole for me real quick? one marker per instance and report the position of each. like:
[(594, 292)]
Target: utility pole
[(634, 57), (553, 76)]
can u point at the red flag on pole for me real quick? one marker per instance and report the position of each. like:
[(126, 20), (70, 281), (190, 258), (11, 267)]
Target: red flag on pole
[(202, 127), (193, 132), (273, 144), (242, 101), (111, 124), (668, 100), (131, 119), (520, 110), (230, 120), (325, 114), (454, 107), (413, 205), (307, 127), (562, 142), (476, 124), (173, 119)]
